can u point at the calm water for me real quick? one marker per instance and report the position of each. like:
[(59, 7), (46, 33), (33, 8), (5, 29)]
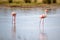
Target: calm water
[(27, 23)]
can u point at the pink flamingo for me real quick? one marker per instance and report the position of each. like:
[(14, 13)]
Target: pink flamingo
[(14, 26), (43, 36)]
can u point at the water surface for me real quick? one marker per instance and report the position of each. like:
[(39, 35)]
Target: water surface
[(27, 23)]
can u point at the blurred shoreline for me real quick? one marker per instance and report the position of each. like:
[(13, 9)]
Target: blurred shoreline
[(30, 5)]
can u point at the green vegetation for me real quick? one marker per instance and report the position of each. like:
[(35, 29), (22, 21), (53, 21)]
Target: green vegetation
[(4, 2), (13, 4), (21, 4)]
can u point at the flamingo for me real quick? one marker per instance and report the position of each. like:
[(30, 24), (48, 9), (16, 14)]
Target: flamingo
[(43, 36), (13, 26)]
